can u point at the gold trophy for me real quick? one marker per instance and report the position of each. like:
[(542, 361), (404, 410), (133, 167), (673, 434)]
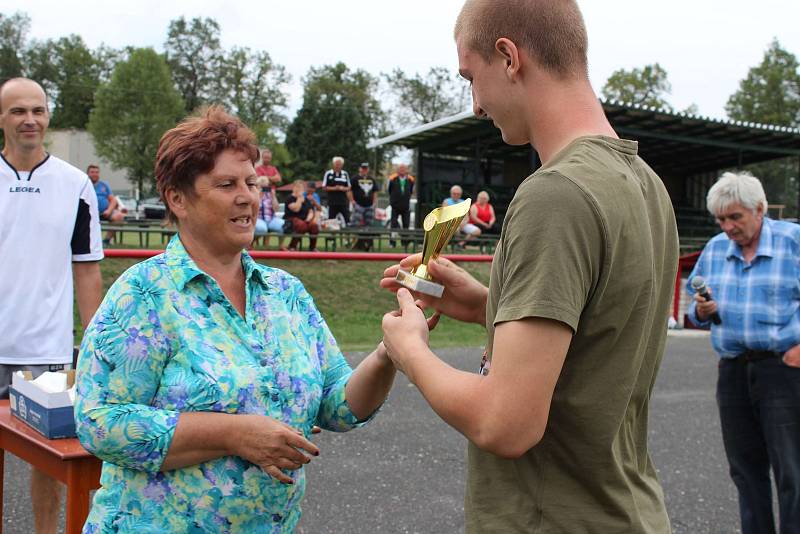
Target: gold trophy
[(440, 226)]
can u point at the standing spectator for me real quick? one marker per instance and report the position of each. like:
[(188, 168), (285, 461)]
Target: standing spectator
[(267, 207), (337, 185), (268, 169), (107, 203), (467, 229), (46, 201), (752, 270), (300, 211), (400, 187), (576, 309), (365, 196), (481, 214)]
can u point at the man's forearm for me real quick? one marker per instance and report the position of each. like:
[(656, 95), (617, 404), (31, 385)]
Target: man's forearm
[(88, 289), (453, 394)]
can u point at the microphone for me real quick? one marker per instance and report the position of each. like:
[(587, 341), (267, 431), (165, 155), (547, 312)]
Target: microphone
[(699, 285)]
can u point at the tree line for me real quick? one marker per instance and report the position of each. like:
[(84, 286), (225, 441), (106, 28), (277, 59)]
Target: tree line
[(126, 98)]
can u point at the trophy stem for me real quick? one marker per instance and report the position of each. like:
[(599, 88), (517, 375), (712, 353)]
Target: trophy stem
[(440, 225)]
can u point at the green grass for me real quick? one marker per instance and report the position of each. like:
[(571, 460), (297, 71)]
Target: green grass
[(349, 298)]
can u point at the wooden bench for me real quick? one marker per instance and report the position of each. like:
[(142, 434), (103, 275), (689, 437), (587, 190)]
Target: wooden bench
[(382, 238), (143, 230)]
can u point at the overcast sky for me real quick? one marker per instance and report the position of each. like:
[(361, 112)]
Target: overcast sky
[(706, 46)]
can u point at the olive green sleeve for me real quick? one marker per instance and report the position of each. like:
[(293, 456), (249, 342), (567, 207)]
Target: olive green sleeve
[(554, 240)]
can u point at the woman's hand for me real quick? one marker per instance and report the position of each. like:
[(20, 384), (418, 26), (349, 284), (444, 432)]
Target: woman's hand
[(464, 297), (271, 445)]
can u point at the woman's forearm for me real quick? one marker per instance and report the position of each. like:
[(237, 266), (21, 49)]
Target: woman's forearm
[(370, 383), (200, 437)]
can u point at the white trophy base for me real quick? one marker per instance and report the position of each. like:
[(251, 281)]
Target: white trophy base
[(415, 283)]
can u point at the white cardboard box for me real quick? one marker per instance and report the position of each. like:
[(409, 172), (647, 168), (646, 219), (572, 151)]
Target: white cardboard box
[(51, 414)]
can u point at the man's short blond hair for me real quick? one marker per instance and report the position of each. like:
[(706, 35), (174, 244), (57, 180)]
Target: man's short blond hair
[(552, 31)]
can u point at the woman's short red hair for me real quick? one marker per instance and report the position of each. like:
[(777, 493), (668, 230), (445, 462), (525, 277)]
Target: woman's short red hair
[(191, 149)]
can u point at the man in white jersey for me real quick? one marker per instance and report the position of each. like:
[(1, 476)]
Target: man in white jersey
[(48, 222)]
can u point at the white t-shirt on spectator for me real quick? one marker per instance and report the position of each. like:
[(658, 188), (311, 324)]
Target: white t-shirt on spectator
[(48, 219)]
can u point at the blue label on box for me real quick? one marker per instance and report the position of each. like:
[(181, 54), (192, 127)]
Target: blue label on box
[(52, 423)]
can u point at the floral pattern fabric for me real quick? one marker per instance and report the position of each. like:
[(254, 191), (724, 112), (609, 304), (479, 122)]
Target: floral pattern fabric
[(166, 340)]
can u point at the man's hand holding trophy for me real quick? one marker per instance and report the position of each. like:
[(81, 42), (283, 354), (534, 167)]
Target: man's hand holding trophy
[(440, 226)]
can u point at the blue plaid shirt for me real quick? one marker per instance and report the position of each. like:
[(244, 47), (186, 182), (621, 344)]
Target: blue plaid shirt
[(758, 302)]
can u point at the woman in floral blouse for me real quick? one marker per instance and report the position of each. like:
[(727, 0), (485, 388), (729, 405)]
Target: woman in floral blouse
[(203, 372)]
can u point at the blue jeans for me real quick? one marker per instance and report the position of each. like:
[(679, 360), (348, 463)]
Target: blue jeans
[(759, 409), (274, 225)]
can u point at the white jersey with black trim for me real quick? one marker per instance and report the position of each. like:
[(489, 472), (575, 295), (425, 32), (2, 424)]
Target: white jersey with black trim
[(48, 219)]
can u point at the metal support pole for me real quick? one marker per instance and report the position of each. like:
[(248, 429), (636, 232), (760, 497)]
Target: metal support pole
[(797, 183), (533, 158), (477, 171), (419, 188)]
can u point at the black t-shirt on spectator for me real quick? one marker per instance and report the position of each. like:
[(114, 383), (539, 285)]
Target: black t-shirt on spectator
[(363, 189), (400, 192), (305, 207), (336, 198)]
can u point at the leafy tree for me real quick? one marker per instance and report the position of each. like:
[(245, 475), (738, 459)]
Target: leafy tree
[(133, 111), (13, 29), (106, 58), (254, 88), (770, 93), (692, 109), (68, 70), (339, 115), (647, 86), (195, 56), (39, 66), (423, 99)]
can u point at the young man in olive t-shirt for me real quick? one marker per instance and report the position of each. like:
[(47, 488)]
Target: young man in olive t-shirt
[(578, 298)]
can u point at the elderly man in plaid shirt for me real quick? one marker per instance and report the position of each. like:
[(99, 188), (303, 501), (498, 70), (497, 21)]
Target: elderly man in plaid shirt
[(752, 272)]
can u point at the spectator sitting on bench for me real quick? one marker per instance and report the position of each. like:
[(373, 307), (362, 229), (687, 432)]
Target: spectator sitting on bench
[(300, 211), (107, 203), (481, 214), (313, 197), (467, 229), (267, 221)]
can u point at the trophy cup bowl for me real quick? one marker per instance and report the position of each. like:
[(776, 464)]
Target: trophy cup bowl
[(440, 226)]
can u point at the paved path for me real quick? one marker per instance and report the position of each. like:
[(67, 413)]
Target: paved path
[(404, 473)]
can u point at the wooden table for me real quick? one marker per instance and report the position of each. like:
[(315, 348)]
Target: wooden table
[(63, 459)]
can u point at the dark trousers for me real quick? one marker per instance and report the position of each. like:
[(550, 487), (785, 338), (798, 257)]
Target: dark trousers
[(759, 408), (335, 209), (397, 215), (302, 227)]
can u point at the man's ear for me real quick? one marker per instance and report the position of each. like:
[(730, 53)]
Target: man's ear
[(176, 201), (509, 54)]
